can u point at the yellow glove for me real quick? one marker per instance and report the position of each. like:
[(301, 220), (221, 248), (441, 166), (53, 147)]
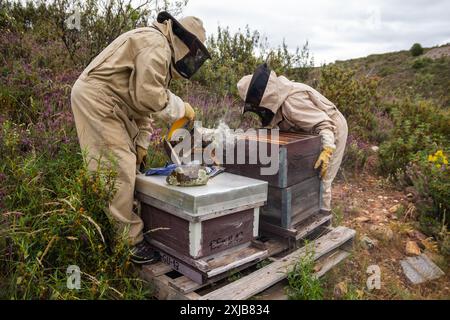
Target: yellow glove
[(141, 155), (189, 112), (324, 161)]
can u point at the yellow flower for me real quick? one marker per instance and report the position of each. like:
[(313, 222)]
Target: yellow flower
[(439, 158)]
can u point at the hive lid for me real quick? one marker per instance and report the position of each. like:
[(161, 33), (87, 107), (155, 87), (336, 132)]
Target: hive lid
[(282, 138), (222, 193)]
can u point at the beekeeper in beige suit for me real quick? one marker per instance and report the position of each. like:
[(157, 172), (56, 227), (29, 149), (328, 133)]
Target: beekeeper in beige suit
[(296, 107), (115, 96)]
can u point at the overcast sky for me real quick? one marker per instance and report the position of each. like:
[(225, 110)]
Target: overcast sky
[(336, 30)]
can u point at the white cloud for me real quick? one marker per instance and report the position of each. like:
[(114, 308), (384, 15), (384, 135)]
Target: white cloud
[(336, 30)]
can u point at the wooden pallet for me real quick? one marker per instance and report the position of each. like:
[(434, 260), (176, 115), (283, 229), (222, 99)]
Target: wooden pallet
[(215, 267), (300, 231), (328, 250)]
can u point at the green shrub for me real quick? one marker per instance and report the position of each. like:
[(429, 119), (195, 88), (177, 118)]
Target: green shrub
[(236, 55), (355, 157), (429, 174), (418, 127), (421, 63), (416, 154), (386, 71), (44, 231), (303, 284), (416, 50), (355, 97)]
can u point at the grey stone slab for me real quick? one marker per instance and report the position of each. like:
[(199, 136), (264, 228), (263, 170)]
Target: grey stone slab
[(420, 269)]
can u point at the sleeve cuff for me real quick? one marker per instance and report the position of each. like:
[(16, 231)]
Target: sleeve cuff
[(174, 109), (328, 138), (143, 139)]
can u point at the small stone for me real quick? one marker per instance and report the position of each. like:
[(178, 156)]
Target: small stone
[(395, 208), (382, 233), (341, 289), (412, 249), (368, 243), (417, 235), (375, 149), (377, 218), (362, 219)]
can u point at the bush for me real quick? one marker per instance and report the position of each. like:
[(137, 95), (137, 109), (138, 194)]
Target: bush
[(429, 174), (355, 98), (418, 127), (236, 55), (356, 156), (421, 63), (303, 284), (44, 231), (416, 50)]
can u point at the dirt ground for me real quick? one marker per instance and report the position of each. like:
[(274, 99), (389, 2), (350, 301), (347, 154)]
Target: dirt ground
[(383, 219), (439, 52)]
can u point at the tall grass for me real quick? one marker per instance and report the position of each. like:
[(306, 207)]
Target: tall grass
[(54, 217)]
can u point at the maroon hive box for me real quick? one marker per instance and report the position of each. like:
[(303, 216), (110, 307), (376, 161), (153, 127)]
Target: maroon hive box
[(294, 191)]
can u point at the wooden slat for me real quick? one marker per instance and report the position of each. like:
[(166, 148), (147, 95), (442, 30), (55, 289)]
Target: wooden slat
[(311, 226), (256, 256), (275, 247), (278, 291), (276, 230), (185, 285), (327, 263), (157, 269), (199, 264), (266, 277), (162, 290)]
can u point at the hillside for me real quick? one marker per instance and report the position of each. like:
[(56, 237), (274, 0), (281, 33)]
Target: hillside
[(402, 75), (52, 206)]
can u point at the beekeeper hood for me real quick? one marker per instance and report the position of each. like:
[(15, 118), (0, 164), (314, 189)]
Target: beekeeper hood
[(263, 93), (187, 37)]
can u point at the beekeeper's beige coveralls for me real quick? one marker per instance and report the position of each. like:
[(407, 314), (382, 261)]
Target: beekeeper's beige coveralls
[(300, 108), (114, 97)]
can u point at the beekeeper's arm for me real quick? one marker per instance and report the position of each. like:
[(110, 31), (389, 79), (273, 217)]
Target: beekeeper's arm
[(300, 110), (150, 94)]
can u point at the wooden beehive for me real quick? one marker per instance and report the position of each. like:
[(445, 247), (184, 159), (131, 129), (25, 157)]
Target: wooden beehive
[(197, 222), (287, 207), (294, 192), (296, 158)]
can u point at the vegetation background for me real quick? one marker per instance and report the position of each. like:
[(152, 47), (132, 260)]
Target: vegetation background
[(52, 209)]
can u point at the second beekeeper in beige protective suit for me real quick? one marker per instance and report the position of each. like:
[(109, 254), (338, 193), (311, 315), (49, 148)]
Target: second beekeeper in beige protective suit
[(115, 96), (293, 106)]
